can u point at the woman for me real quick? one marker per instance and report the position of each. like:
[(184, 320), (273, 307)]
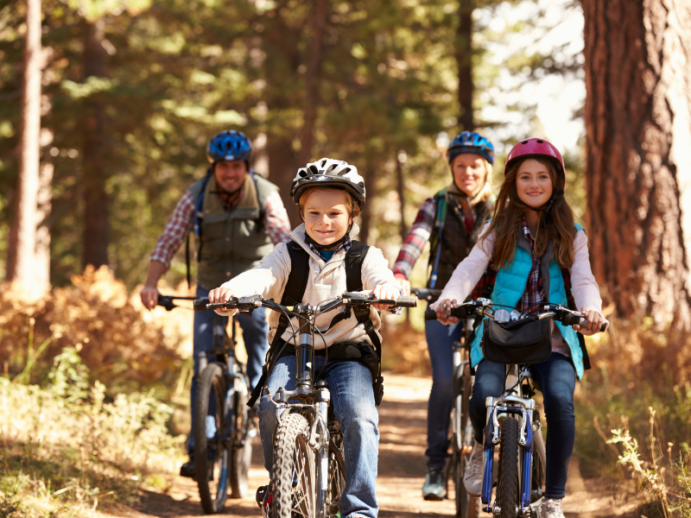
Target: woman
[(451, 220)]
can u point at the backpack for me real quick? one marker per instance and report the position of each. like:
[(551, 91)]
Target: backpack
[(292, 295)]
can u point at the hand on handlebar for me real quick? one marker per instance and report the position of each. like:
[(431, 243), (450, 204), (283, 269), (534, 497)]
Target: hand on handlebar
[(595, 321), (149, 296), (222, 294), (443, 307), (385, 291), (405, 283)]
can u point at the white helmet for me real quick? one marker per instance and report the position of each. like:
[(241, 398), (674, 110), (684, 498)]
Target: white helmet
[(330, 173)]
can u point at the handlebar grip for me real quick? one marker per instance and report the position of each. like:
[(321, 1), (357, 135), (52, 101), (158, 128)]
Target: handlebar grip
[(200, 304), (575, 320), (405, 301), (430, 314), (603, 328)]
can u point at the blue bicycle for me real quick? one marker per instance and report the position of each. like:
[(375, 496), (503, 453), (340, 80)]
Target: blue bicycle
[(513, 423)]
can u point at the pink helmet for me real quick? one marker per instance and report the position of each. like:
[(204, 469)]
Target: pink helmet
[(535, 147)]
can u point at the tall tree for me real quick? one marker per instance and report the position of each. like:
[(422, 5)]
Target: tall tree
[(24, 249), (638, 172), (96, 228), (464, 61), (314, 60)]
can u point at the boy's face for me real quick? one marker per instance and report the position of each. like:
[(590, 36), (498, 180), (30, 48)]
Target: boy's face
[(327, 216)]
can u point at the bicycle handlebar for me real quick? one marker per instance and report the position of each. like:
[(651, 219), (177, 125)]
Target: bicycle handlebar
[(426, 293), (166, 301), (555, 311), (348, 299)]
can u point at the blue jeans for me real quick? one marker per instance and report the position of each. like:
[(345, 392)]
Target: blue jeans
[(440, 339), (556, 378), (254, 331), (352, 397)]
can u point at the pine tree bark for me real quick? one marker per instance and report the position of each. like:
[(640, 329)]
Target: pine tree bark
[(44, 200), (464, 61), (96, 228), (311, 102), (368, 174), (638, 170), (24, 238)]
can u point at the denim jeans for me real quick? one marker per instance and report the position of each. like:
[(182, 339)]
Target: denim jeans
[(440, 339), (556, 378), (352, 397), (254, 331)]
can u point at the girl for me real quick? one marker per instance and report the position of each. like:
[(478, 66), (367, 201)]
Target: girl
[(330, 194), (534, 248), (452, 221)]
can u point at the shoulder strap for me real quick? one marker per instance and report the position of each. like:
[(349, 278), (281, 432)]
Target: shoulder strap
[(295, 285), (353, 265)]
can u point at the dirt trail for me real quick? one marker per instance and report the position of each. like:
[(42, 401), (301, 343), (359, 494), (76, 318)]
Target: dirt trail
[(401, 470)]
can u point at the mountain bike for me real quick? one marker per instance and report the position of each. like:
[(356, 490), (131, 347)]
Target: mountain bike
[(513, 423), (308, 475), (222, 427), (467, 506)]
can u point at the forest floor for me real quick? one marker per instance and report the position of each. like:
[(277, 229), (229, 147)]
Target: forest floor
[(401, 472)]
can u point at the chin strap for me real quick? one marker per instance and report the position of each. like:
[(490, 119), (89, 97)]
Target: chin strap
[(332, 246)]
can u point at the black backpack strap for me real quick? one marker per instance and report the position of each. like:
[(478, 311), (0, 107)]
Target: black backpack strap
[(292, 294), (353, 264)]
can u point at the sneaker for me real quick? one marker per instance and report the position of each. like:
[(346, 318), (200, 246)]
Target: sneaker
[(434, 484), (472, 478), (551, 508), (187, 469)]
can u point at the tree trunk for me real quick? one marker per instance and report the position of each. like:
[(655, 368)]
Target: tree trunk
[(311, 103), (400, 159), (638, 115), (464, 61), (282, 167), (24, 245), (44, 205), (366, 216), (93, 163)]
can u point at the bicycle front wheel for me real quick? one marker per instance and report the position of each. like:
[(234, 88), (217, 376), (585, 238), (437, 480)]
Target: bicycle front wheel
[(241, 452), (294, 470), (336, 476), (211, 455), (508, 487)]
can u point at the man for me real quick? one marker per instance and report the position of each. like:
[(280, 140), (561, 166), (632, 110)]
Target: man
[(237, 217)]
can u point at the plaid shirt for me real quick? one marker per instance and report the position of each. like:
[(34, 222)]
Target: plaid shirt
[(181, 223), (534, 290), (415, 240)]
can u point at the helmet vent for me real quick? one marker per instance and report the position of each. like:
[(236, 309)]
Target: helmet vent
[(313, 169), (540, 141), (302, 173), (524, 142)]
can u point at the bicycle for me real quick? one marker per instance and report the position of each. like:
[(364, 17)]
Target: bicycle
[(308, 467), (467, 506), (513, 423), (222, 428)]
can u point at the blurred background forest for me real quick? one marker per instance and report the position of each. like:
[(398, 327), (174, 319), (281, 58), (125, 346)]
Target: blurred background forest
[(131, 91)]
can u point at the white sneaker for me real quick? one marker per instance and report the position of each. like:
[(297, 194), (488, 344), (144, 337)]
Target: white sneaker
[(551, 508), (472, 478)]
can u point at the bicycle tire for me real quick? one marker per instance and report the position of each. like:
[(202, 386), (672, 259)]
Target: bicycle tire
[(211, 455), (539, 468), (336, 477), (467, 506), (241, 451), (507, 489), (294, 470)]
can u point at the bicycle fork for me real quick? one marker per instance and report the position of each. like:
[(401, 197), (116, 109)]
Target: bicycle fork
[(522, 408)]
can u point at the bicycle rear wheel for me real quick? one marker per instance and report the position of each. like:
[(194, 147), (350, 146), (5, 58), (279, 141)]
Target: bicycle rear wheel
[(241, 449), (336, 476), (211, 455), (508, 487), (467, 506), (294, 470)]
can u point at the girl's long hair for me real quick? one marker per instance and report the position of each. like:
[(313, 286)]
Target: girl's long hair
[(508, 215)]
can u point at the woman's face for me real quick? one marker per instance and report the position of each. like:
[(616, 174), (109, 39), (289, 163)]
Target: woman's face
[(326, 215), (533, 183), (469, 172)]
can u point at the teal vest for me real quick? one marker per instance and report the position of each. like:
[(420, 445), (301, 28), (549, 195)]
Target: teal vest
[(231, 242), (509, 288)]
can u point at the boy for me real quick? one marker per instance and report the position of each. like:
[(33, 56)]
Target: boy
[(330, 194)]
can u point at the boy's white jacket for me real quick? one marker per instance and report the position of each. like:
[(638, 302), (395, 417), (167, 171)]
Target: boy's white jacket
[(325, 282)]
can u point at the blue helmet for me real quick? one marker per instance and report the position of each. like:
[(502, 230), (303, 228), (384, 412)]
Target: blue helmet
[(229, 145), (471, 142)]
